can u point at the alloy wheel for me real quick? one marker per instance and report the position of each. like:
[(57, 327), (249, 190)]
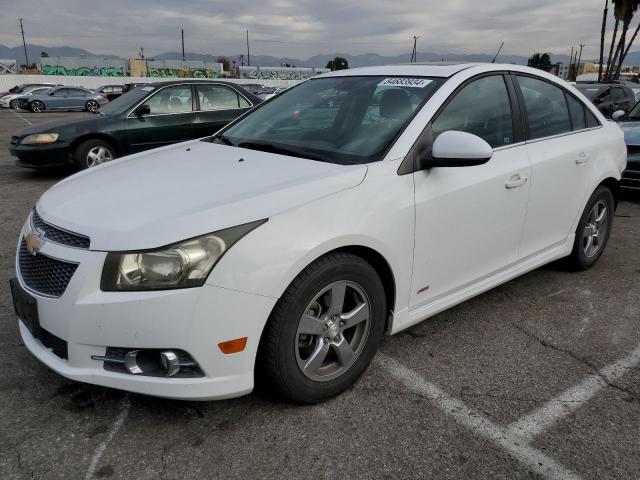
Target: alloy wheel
[(595, 229), (92, 106), (37, 107), (98, 155), (333, 331)]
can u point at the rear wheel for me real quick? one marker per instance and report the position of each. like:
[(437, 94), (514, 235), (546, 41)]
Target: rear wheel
[(593, 230), (92, 106), (324, 330), (37, 106), (91, 153)]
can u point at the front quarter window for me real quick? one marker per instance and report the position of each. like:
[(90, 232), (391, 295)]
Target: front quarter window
[(336, 119)]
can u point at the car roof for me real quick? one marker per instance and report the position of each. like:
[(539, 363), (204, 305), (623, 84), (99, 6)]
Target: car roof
[(440, 69), (187, 80)]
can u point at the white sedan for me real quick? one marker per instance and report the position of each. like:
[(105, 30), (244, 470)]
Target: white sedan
[(285, 247), (11, 100)]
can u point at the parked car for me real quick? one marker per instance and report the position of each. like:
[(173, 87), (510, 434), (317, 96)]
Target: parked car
[(110, 92), (630, 124), (14, 100), (64, 98), (286, 245), (608, 97), (254, 88), (143, 118), (24, 86), (131, 86), (270, 92)]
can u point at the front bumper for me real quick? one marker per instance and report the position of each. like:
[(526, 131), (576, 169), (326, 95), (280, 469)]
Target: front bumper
[(195, 320), (41, 156), (631, 176)]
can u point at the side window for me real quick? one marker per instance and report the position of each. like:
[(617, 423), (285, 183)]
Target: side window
[(244, 103), (76, 92), (171, 100), (617, 94), (61, 92), (217, 97), (592, 121), (604, 96), (481, 108), (576, 108), (546, 108)]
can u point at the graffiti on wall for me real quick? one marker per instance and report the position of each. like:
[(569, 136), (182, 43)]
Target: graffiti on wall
[(181, 73), (82, 71), (279, 75)]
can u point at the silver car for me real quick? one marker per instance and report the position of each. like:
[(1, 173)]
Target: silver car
[(64, 98)]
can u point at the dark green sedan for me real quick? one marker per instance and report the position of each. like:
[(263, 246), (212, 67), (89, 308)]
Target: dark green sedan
[(146, 117)]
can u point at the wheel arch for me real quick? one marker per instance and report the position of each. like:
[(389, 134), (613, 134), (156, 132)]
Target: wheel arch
[(612, 184), (95, 136)]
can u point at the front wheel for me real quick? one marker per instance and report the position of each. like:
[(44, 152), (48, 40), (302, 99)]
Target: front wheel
[(593, 230), (14, 104), (92, 106), (324, 330), (37, 106), (93, 152)]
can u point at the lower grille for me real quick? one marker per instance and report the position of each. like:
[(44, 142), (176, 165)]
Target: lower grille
[(43, 274), (55, 344)]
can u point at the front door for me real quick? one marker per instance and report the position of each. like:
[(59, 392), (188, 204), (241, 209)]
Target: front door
[(170, 120), (469, 220)]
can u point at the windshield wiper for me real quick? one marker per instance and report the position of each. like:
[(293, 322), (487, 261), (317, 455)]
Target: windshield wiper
[(272, 148)]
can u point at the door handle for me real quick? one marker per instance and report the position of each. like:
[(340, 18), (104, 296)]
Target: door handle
[(515, 181), (582, 158)]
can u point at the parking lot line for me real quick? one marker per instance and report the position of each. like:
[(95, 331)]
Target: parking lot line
[(512, 443), (550, 413), (125, 406), (21, 117)]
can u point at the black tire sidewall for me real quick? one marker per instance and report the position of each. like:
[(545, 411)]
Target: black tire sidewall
[(284, 325), (36, 102), (81, 152), (578, 257)]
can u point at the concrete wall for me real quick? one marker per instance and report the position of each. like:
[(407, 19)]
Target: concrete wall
[(8, 81), (279, 73)]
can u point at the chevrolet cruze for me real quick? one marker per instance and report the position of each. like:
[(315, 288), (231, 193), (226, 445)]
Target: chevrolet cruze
[(285, 247)]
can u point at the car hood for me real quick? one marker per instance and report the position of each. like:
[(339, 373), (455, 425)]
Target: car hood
[(78, 124), (173, 193), (631, 132)]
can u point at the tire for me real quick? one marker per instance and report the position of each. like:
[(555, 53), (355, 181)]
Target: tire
[(593, 230), (37, 106), (306, 367), (93, 152), (92, 106), (14, 105)]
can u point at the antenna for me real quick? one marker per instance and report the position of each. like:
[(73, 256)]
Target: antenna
[(498, 53), (182, 34)]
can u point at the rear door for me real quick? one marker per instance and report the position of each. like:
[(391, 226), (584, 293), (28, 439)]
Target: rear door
[(171, 119), (58, 99), (562, 147), (76, 98), (218, 105)]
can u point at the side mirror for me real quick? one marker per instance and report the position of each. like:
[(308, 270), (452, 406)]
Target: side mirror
[(617, 115), (142, 110), (459, 149)]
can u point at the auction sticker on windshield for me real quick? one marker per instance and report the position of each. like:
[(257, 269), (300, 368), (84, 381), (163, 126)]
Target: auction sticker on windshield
[(405, 82)]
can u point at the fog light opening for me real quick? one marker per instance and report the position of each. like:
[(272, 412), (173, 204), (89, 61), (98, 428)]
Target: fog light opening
[(169, 362)]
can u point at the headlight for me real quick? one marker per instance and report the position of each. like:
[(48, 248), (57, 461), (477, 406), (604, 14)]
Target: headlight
[(40, 139), (181, 265)]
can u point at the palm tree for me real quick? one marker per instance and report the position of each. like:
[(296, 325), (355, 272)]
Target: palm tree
[(630, 9), (618, 12), (604, 28)]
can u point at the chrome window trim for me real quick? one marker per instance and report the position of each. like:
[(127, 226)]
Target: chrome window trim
[(130, 114), (565, 134)]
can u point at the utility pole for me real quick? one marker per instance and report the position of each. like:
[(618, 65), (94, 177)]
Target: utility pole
[(141, 53), (24, 44), (571, 64), (248, 54), (414, 53), (579, 58), (182, 34)]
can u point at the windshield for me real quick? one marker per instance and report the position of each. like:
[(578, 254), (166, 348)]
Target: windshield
[(126, 100), (343, 120), (634, 114)]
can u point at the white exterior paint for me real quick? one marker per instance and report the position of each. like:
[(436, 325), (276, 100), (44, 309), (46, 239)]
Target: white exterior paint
[(420, 223)]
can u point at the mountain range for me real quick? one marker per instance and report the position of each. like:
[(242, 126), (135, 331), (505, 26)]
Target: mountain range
[(363, 60)]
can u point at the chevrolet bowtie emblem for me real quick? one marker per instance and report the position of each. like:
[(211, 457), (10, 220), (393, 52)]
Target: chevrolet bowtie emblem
[(34, 242)]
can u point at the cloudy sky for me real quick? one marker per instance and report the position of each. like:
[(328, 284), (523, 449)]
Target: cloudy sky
[(302, 28)]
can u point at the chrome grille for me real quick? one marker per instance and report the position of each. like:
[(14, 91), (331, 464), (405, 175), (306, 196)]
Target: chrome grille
[(58, 235), (42, 274)]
